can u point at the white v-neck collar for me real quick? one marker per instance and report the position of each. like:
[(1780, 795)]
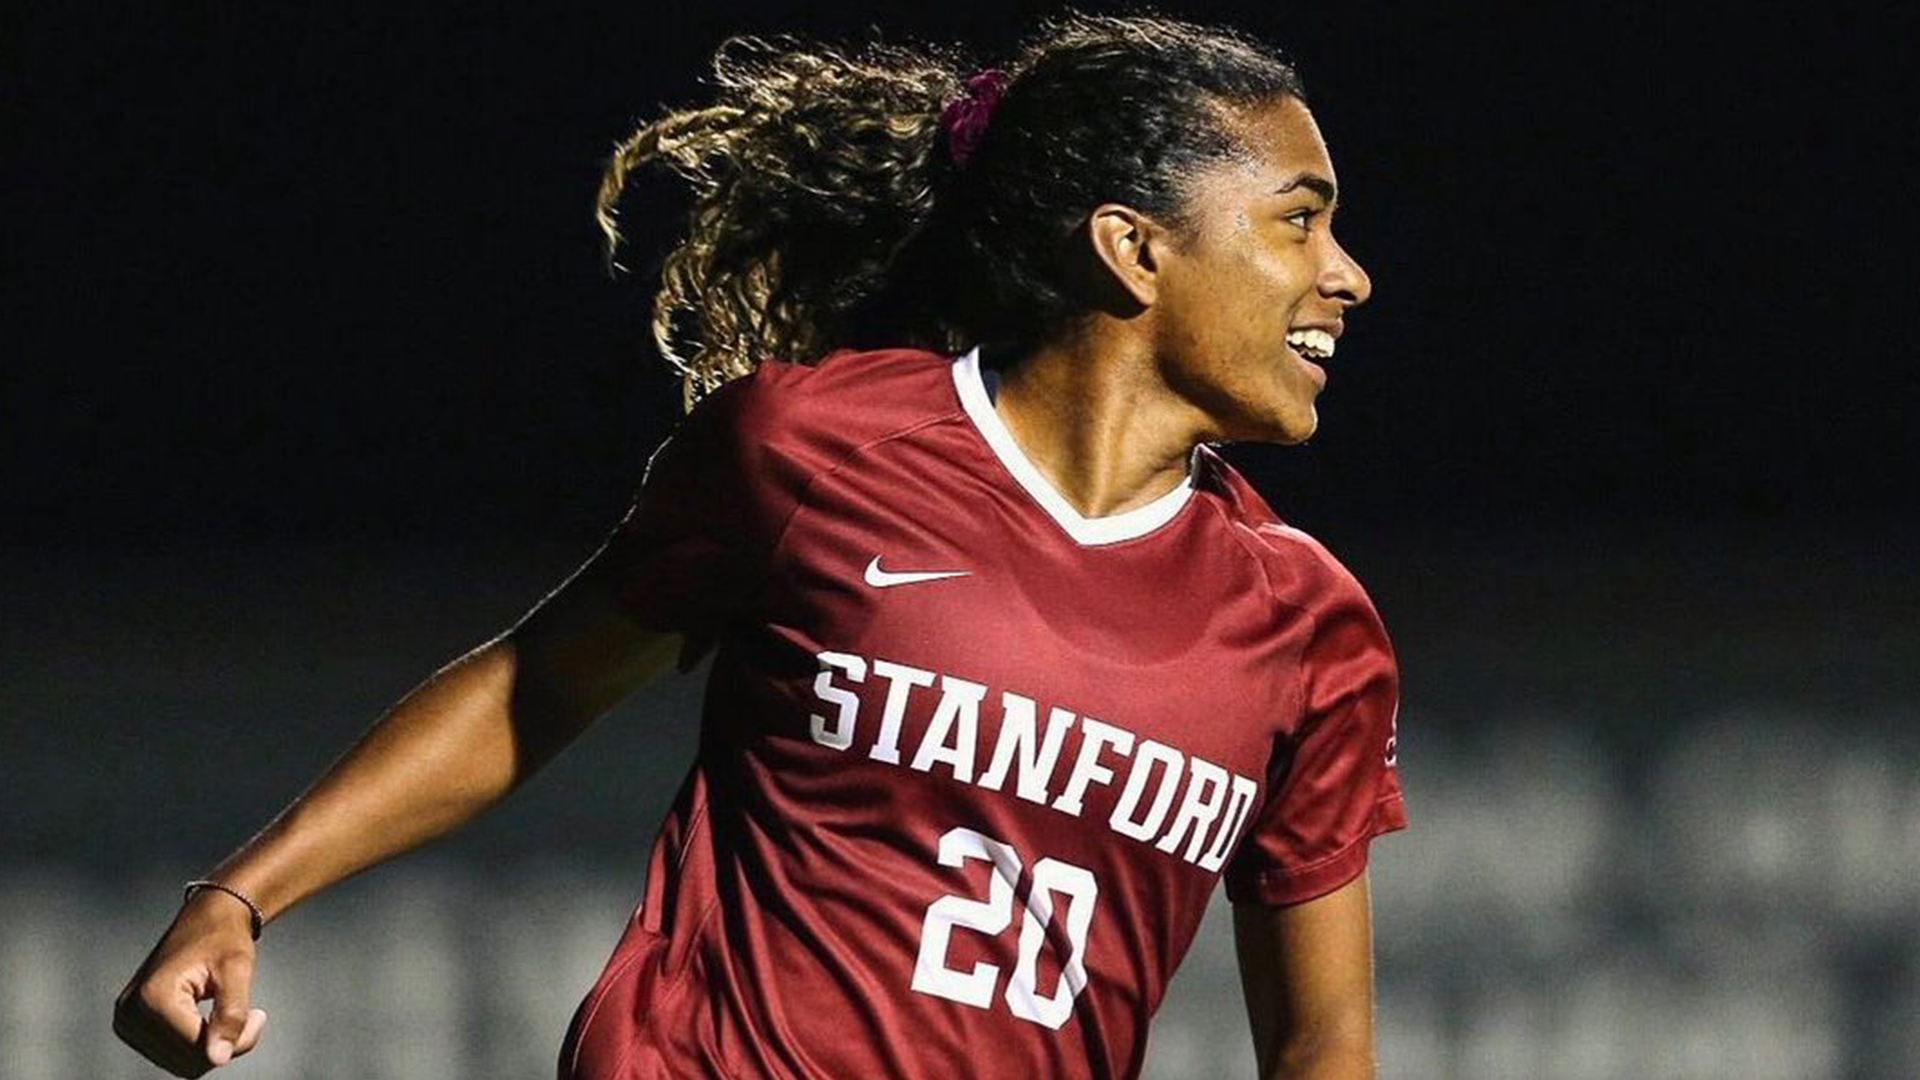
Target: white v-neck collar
[(1086, 531)]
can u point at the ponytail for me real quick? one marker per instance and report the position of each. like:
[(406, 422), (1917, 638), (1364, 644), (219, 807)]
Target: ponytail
[(810, 170)]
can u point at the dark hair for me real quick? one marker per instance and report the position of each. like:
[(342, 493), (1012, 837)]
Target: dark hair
[(827, 212)]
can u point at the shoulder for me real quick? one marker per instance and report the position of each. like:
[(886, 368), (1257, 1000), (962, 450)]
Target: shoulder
[(1300, 571), (832, 405), (771, 431), (861, 388)]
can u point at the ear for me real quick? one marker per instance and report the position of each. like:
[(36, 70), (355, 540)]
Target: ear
[(1129, 244)]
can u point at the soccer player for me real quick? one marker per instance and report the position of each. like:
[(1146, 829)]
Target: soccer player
[(1010, 668)]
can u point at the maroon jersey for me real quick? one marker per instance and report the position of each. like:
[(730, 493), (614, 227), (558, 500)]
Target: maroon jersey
[(970, 763)]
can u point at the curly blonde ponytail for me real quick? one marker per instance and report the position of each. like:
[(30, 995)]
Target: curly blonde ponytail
[(811, 169)]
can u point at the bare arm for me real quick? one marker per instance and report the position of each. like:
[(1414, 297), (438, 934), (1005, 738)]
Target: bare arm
[(1307, 971), (455, 745)]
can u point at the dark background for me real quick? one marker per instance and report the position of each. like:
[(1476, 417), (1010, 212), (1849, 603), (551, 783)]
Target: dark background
[(279, 275), (314, 378)]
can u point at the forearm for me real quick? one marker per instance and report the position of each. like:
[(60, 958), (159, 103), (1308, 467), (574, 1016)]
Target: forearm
[(451, 748), (1329, 1052)]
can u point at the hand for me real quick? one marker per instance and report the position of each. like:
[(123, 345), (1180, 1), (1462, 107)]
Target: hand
[(206, 953)]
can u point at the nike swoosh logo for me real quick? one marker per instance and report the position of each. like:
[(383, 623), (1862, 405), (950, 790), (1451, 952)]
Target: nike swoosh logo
[(880, 579)]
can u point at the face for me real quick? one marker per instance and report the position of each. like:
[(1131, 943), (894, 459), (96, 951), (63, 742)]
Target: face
[(1253, 295)]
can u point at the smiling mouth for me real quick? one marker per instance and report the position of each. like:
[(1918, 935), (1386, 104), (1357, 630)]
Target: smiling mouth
[(1312, 344)]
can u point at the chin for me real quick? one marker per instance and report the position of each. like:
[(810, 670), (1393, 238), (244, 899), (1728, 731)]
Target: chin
[(1283, 423), (1268, 413), (1293, 426), (1292, 414), (1300, 433), (1296, 429)]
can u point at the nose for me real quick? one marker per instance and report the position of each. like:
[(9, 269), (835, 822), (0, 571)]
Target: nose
[(1343, 279)]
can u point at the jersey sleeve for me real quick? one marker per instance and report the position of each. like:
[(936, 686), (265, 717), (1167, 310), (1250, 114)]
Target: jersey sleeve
[(1334, 783), (696, 540)]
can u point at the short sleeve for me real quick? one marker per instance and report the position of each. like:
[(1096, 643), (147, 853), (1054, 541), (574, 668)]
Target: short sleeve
[(694, 543), (1334, 783)]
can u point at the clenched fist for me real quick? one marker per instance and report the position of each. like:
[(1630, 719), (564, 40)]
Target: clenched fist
[(206, 953)]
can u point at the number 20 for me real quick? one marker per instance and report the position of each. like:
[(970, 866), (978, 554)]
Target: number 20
[(991, 916)]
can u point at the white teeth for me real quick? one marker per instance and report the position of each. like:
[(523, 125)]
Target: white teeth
[(1314, 343)]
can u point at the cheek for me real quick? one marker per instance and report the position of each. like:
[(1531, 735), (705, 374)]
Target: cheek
[(1230, 311), (1263, 288), (1242, 298), (1290, 274)]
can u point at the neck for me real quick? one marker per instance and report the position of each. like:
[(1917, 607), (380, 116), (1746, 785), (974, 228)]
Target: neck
[(1093, 415)]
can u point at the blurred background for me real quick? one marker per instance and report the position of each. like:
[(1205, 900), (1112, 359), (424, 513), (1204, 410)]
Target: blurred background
[(314, 379)]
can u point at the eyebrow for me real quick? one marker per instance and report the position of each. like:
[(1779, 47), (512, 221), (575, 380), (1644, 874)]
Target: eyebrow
[(1313, 182)]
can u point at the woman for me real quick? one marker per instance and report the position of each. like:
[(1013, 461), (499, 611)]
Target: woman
[(1011, 667)]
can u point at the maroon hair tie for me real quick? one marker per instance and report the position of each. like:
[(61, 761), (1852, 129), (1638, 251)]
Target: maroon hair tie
[(965, 119)]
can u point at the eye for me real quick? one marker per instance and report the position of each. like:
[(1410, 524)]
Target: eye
[(1303, 217)]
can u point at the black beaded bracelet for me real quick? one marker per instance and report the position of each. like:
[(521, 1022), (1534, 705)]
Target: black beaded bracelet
[(254, 918)]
